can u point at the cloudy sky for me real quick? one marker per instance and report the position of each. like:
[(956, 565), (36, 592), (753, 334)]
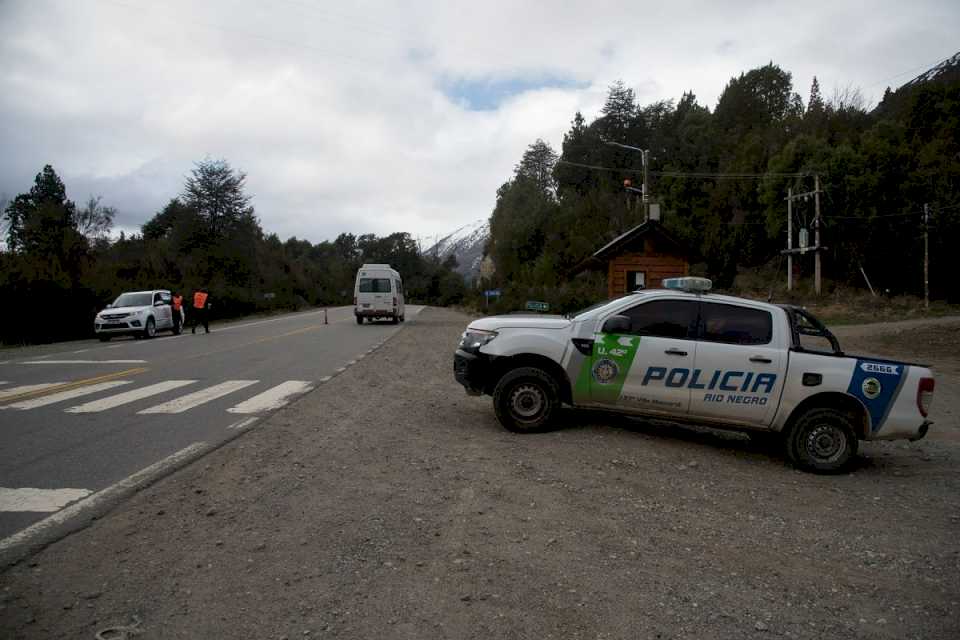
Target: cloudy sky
[(374, 117)]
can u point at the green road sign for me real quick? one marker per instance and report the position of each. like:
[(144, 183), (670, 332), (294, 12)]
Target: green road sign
[(533, 305)]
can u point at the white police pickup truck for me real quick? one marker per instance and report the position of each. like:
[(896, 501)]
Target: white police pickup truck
[(685, 355)]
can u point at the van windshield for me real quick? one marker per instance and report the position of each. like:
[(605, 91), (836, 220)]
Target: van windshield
[(374, 285)]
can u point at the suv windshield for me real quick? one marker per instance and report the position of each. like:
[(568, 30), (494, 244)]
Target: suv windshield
[(134, 300), (374, 285)]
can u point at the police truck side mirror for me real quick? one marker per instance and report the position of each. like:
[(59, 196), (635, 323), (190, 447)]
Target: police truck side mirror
[(616, 324)]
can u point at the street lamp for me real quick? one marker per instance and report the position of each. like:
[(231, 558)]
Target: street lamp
[(645, 155)]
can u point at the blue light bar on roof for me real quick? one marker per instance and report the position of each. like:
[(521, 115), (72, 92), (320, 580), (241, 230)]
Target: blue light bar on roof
[(690, 284)]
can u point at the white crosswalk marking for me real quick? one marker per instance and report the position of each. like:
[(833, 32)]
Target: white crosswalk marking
[(129, 396), (272, 398), (189, 401), (26, 388), (65, 395), (38, 500)]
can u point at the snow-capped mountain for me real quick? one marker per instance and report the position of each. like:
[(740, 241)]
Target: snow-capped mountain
[(948, 66), (466, 245)]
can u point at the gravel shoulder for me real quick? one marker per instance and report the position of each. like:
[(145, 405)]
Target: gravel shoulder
[(387, 504)]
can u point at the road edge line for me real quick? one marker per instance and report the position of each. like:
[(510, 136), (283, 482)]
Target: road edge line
[(68, 520)]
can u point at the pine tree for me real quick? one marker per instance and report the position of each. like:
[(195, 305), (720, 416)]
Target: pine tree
[(537, 166), (621, 107), (215, 191), (815, 103)]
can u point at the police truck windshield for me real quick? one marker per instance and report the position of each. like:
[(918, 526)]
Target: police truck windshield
[(374, 285)]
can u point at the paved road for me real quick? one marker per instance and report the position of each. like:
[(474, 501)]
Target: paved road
[(78, 417)]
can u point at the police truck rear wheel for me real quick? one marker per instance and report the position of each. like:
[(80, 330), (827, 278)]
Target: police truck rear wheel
[(359, 319), (822, 441), (526, 400)]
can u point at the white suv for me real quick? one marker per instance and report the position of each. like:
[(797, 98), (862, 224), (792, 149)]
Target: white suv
[(140, 313)]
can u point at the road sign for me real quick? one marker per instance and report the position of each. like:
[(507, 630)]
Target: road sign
[(534, 305), (492, 293)]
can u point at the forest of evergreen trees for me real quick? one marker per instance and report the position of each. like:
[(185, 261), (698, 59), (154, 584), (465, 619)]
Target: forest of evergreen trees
[(60, 265), (721, 178)]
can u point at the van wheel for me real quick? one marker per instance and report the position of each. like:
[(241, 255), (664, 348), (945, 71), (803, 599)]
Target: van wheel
[(822, 441), (402, 319), (359, 319), (395, 319), (526, 399), (151, 329)]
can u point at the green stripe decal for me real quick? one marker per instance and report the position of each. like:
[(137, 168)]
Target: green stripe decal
[(602, 376)]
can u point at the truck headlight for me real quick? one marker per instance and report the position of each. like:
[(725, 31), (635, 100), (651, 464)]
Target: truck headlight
[(473, 339)]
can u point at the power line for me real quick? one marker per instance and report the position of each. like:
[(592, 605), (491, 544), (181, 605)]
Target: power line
[(903, 214), (687, 174)]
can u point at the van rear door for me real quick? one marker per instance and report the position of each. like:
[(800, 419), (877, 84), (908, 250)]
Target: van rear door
[(375, 293)]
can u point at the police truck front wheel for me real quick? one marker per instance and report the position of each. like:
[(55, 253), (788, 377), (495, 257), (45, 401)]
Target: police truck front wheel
[(526, 400), (822, 441)]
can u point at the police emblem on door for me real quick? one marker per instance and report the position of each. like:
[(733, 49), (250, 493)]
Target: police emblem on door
[(605, 371), (871, 388)]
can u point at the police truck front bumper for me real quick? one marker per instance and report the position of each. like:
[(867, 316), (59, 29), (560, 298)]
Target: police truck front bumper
[(471, 370)]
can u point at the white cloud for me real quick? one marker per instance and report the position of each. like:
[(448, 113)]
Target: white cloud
[(338, 114)]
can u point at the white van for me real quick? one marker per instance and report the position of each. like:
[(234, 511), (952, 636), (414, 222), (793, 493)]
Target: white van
[(378, 293)]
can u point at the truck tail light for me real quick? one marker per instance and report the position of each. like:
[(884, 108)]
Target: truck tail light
[(394, 300), (925, 396), (354, 300)]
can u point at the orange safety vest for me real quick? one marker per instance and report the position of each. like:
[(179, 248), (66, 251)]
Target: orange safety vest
[(177, 302), (199, 299)]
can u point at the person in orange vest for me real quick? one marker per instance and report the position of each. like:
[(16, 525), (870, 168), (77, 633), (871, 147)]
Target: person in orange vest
[(177, 305), (201, 310)]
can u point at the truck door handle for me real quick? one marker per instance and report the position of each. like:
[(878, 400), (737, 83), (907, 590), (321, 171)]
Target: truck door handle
[(675, 352), (761, 359)]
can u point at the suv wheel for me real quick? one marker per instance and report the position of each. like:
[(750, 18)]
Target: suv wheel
[(151, 328), (823, 441), (359, 319), (526, 399)]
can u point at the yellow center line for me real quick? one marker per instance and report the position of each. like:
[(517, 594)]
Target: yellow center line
[(257, 341), (72, 385)]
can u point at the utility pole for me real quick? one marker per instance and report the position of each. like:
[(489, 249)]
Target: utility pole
[(926, 256), (646, 197), (790, 239), (816, 232)]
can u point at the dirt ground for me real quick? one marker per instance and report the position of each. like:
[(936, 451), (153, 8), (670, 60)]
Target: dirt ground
[(387, 504)]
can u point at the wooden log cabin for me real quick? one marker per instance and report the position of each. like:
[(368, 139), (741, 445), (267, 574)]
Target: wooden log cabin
[(641, 258)]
